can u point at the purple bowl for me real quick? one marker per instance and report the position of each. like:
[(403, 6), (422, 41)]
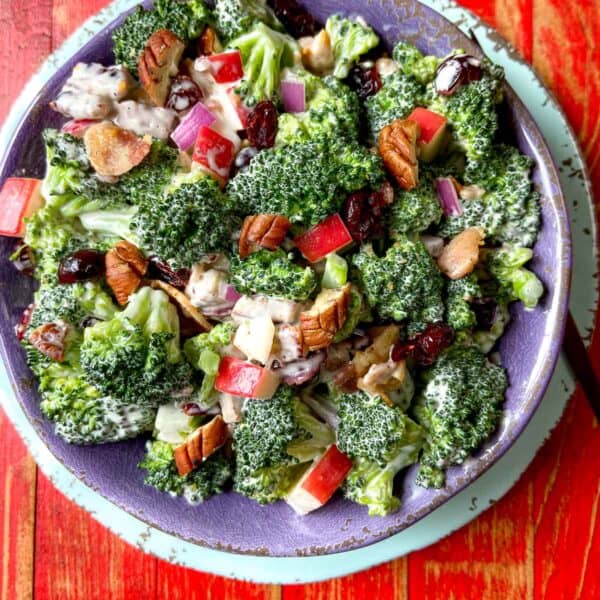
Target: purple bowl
[(231, 522)]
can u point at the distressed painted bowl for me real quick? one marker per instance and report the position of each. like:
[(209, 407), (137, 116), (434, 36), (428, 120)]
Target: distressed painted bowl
[(230, 522)]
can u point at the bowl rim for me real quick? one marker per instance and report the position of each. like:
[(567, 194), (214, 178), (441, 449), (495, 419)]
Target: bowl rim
[(31, 93)]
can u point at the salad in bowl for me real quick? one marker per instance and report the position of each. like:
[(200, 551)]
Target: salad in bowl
[(282, 254)]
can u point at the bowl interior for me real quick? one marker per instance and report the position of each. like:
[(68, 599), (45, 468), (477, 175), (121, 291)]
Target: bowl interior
[(231, 522)]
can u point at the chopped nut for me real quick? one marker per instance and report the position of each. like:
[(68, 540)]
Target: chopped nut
[(158, 63), (319, 325), (266, 231), (214, 435), (185, 304), (182, 460), (471, 192), (49, 339), (383, 378), (317, 53), (460, 256), (378, 351), (125, 269), (114, 151), (398, 148), (386, 66), (208, 43)]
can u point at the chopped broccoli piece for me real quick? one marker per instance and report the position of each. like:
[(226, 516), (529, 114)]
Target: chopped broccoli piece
[(459, 294), (112, 225), (404, 284), (185, 19), (306, 182), (459, 408), (350, 39), (272, 274), (199, 485), (236, 17), (357, 312), (414, 63)]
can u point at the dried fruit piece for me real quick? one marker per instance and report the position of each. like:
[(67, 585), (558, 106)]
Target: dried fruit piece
[(327, 316), (83, 265), (184, 94), (125, 269), (266, 231), (161, 270), (114, 151), (261, 125), (364, 81), (363, 215), (49, 339), (199, 445), (158, 63), (426, 346), (296, 19), (398, 148), (317, 53), (459, 257)]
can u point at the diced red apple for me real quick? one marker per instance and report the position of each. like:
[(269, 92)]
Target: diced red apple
[(20, 198), (241, 378), (433, 137), (214, 151), (320, 482), (226, 67), (324, 238)]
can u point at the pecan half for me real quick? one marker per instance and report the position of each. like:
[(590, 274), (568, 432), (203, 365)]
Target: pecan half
[(319, 325), (214, 435), (459, 257), (158, 63), (125, 269), (199, 445), (266, 231), (208, 43), (49, 339), (114, 151), (398, 148)]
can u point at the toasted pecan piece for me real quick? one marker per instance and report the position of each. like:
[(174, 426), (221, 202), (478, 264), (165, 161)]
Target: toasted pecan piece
[(383, 378), (459, 257), (398, 148), (317, 53), (327, 316), (208, 42), (158, 63), (49, 339), (214, 435), (199, 445), (114, 151), (125, 269), (266, 231)]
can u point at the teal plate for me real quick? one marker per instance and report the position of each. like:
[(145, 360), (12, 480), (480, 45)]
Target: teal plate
[(461, 508)]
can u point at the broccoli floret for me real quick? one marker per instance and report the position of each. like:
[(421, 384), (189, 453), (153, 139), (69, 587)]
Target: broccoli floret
[(332, 109), (272, 274), (197, 486), (274, 443), (357, 312), (414, 63), (459, 295), (509, 211), (459, 407), (135, 357), (185, 19), (236, 17), (265, 53), (350, 39), (397, 98), (404, 284), (516, 283), (306, 182)]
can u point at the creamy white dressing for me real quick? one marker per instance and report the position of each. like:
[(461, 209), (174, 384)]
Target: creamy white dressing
[(144, 119)]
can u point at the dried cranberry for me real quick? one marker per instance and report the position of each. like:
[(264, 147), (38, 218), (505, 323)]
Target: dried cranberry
[(364, 81), (402, 350), (296, 19), (23, 259), (23, 324), (426, 346), (456, 71), (262, 125), (159, 269), (485, 312), (363, 215), (244, 157), (184, 94), (82, 265)]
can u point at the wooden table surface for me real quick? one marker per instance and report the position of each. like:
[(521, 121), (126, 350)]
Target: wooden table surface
[(540, 541)]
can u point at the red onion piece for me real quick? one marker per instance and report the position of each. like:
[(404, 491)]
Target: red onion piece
[(301, 371), (231, 294), (448, 197), (293, 96), (187, 131)]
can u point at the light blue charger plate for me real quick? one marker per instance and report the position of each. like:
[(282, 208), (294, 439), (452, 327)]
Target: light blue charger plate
[(461, 508)]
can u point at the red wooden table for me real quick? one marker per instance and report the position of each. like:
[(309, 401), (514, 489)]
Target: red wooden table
[(541, 541)]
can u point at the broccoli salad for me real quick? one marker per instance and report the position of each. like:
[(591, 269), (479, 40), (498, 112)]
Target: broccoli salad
[(280, 253)]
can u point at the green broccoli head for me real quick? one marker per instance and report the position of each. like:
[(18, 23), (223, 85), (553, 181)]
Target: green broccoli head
[(350, 39), (459, 407), (272, 274), (265, 52), (404, 284), (332, 109), (135, 357), (509, 210), (236, 17), (185, 19), (413, 63), (274, 443), (460, 293), (199, 485), (307, 181)]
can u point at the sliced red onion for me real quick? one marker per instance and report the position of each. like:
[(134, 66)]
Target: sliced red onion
[(293, 96), (187, 131), (448, 197), (218, 311), (231, 294), (301, 371)]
